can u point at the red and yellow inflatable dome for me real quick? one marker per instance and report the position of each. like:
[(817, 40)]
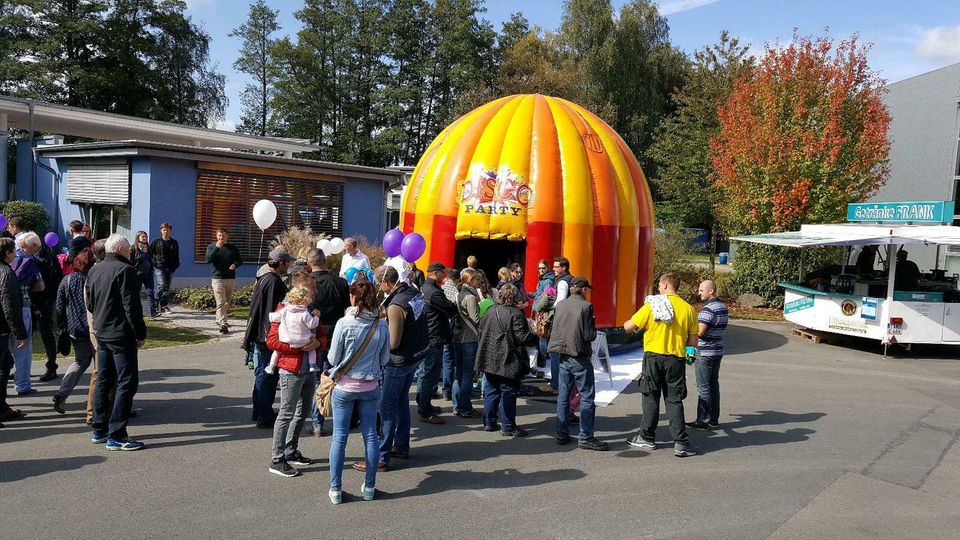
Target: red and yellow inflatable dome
[(550, 176)]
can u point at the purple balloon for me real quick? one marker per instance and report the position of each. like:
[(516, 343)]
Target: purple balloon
[(51, 239), (3, 221), (391, 242), (412, 247)]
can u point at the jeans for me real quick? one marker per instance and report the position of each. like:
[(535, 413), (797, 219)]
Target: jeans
[(395, 410), (668, 377), (449, 357), (222, 294), (43, 319), (23, 358), (161, 287), (708, 389), (118, 366), (146, 280), (462, 388), (6, 362), (83, 355), (500, 398), (264, 384), (296, 395), (343, 404), (579, 372), (554, 360), (428, 379)]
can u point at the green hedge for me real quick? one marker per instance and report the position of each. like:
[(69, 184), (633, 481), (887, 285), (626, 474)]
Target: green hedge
[(35, 216), (201, 298)]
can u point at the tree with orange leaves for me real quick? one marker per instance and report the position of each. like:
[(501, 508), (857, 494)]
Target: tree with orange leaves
[(801, 136)]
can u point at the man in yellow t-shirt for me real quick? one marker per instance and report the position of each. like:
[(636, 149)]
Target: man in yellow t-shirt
[(669, 326)]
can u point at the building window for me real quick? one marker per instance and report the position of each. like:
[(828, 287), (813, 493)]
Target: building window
[(226, 200)]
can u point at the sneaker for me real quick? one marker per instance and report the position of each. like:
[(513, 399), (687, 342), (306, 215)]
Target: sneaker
[(472, 413), (58, 402), (399, 455), (514, 432), (26, 392), (126, 445), (368, 493), (491, 427), (319, 432), (282, 468), (224, 329), (48, 376), (298, 459), (684, 450), (698, 425), (563, 440), (336, 496), (98, 439), (639, 442), (432, 419), (270, 369), (713, 424), (593, 444)]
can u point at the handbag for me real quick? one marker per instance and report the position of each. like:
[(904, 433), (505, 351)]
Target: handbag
[(324, 391), (63, 342)]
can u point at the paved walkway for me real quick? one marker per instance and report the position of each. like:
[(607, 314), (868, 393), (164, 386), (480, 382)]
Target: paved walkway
[(816, 441), (203, 322)]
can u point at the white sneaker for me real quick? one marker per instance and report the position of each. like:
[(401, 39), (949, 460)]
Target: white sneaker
[(639, 442), (335, 496), (270, 369), (368, 493)]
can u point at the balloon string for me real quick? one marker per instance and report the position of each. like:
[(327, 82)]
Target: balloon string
[(260, 255)]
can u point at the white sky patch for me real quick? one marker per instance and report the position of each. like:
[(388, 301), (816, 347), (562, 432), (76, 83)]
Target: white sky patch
[(941, 44), (226, 124), (193, 5), (669, 7)]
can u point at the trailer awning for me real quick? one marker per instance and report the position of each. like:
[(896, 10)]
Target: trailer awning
[(857, 234)]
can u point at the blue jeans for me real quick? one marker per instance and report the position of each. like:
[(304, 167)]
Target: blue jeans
[(116, 367), (264, 384), (343, 403), (462, 386), (161, 290), (146, 280), (427, 380), (395, 410), (500, 399), (578, 371), (449, 357), (23, 358), (708, 389)]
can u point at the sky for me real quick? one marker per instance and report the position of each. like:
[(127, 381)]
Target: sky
[(908, 37)]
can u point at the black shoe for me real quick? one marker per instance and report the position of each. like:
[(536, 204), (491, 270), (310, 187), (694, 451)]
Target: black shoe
[(713, 424), (436, 410), (514, 432), (282, 468), (264, 425), (491, 427), (593, 444), (224, 329), (563, 440), (698, 425), (27, 392), (58, 402), (399, 455), (298, 459), (50, 375)]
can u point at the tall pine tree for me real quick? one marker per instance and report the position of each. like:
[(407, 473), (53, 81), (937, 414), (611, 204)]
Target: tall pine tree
[(256, 60)]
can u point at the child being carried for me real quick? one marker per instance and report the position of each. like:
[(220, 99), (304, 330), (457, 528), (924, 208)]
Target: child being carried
[(297, 325)]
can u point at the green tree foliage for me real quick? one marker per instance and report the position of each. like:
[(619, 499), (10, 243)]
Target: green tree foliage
[(256, 59), (682, 143), (35, 217), (138, 57)]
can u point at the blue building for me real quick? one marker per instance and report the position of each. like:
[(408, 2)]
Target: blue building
[(171, 173)]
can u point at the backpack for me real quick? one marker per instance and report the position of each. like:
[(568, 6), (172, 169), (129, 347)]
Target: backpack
[(543, 323)]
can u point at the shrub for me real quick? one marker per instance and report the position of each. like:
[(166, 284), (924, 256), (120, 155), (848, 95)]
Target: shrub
[(35, 216), (201, 298), (759, 268)]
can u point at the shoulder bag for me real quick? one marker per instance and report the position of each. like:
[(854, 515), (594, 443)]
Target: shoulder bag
[(324, 392)]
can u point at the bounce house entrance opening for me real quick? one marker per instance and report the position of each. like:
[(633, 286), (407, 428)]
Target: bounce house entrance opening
[(490, 254)]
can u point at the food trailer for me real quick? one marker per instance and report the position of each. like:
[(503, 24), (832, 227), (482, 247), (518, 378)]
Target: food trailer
[(851, 301)]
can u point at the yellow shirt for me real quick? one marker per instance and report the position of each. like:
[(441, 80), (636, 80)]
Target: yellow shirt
[(662, 338)]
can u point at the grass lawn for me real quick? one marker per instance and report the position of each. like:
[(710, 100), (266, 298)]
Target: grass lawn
[(240, 312), (158, 335)]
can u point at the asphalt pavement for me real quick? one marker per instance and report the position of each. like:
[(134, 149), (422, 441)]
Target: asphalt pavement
[(816, 441)]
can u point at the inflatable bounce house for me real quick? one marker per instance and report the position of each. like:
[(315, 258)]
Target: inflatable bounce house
[(530, 177)]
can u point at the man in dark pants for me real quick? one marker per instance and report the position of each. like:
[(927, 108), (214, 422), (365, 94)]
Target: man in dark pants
[(42, 303), (333, 298), (113, 297), (574, 329), (165, 255), (11, 323), (439, 311), (267, 294), (669, 326)]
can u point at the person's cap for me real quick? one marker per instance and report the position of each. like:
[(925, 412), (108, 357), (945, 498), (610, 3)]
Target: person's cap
[(580, 282), (436, 266), (279, 254)]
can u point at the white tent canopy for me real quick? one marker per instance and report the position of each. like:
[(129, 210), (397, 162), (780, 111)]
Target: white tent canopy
[(857, 234)]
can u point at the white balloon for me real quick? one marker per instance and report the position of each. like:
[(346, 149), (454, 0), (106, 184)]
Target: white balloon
[(337, 245), (325, 247), (264, 214)]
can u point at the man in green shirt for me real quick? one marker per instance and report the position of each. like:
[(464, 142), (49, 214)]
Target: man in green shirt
[(224, 257)]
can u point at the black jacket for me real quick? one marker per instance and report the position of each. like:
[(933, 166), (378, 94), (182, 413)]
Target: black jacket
[(78, 244), (573, 328), (113, 297), (11, 304), (52, 275), (168, 256), (268, 292), (440, 311), (501, 350), (333, 297), (414, 346), (141, 261)]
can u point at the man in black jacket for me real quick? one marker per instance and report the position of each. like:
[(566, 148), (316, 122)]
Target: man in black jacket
[(439, 311), (11, 323), (574, 330), (42, 304), (267, 294), (332, 299), (165, 254), (113, 297)]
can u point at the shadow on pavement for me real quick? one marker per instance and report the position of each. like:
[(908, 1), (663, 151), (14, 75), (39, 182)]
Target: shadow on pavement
[(15, 470), (445, 481), (749, 339)]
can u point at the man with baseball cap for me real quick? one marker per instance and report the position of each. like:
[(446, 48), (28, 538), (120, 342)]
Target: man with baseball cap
[(439, 311), (574, 329), (267, 294)]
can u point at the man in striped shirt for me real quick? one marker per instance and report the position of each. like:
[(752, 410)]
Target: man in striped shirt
[(713, 327)]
